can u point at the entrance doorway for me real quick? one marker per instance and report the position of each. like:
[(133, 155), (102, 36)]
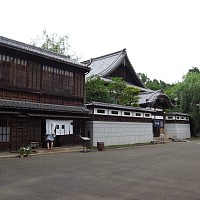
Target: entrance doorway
[(157, 127)]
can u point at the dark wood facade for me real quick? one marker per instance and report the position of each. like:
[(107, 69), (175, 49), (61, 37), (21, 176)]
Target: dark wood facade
[(25, 77), (32, 75)]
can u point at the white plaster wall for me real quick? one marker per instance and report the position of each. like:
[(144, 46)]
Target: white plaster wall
[(119, 133), (180, 131)]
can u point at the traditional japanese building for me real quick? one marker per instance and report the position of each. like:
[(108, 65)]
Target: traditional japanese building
[(39, 88), (117, 64), (143, 123)]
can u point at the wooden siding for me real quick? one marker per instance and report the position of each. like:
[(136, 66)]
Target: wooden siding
[(38, 98), (79, 83), (125, 73), (120, 119), (30, 78), (20, 72)]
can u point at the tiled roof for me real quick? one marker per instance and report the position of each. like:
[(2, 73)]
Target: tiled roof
[(117, 106), (41, 106), (100, 66), (176, 113), (152, 96), (39, 52), (56, 116), (103, 66)]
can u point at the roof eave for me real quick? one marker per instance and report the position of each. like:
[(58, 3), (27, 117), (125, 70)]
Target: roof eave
[(44, 56)]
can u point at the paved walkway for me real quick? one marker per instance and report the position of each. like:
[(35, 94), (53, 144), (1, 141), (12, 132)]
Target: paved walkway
[(151, 172), (43, 151)]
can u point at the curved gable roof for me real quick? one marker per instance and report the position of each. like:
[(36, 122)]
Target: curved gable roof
[(151, 98), (103, 66)]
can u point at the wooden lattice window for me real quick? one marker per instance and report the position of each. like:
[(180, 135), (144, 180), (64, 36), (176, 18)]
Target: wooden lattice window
[(57, 80), (13, 71)]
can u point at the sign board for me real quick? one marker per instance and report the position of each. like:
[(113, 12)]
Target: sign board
[(85, 138)]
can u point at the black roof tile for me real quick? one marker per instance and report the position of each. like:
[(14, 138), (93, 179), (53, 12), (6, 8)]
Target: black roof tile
[(41, 107), (117, 106), (39, 52)]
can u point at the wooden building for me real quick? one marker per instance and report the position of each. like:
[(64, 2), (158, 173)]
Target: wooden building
[(37, 85)]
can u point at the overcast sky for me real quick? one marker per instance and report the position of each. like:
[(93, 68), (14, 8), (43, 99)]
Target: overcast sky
[(162, 37)]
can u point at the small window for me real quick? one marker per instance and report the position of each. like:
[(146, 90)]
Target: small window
[(187, 118), (169, 117), (147, 115), (114, 112), (182, 117), (127, 113), (137, 114), (101, 111), (177, 117)]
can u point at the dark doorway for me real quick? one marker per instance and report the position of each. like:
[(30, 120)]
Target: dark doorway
[(156, 128)]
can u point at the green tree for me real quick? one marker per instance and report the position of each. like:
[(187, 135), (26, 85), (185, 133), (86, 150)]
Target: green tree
[(188, 93), (130, 97), (115, 91), (194, 69), (143, 77), (96, 90), (116, 88), (55, 43), (155, 84)]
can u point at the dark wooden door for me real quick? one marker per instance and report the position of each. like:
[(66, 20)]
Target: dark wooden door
[(19, 134), (156, 128)]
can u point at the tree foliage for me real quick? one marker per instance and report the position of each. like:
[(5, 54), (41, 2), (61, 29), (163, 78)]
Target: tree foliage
[(121, 93), (185, 95), (188, 94), (115, 91), (55, 43), (116, 88), (154, 84), (130, 97), (96, 90)]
